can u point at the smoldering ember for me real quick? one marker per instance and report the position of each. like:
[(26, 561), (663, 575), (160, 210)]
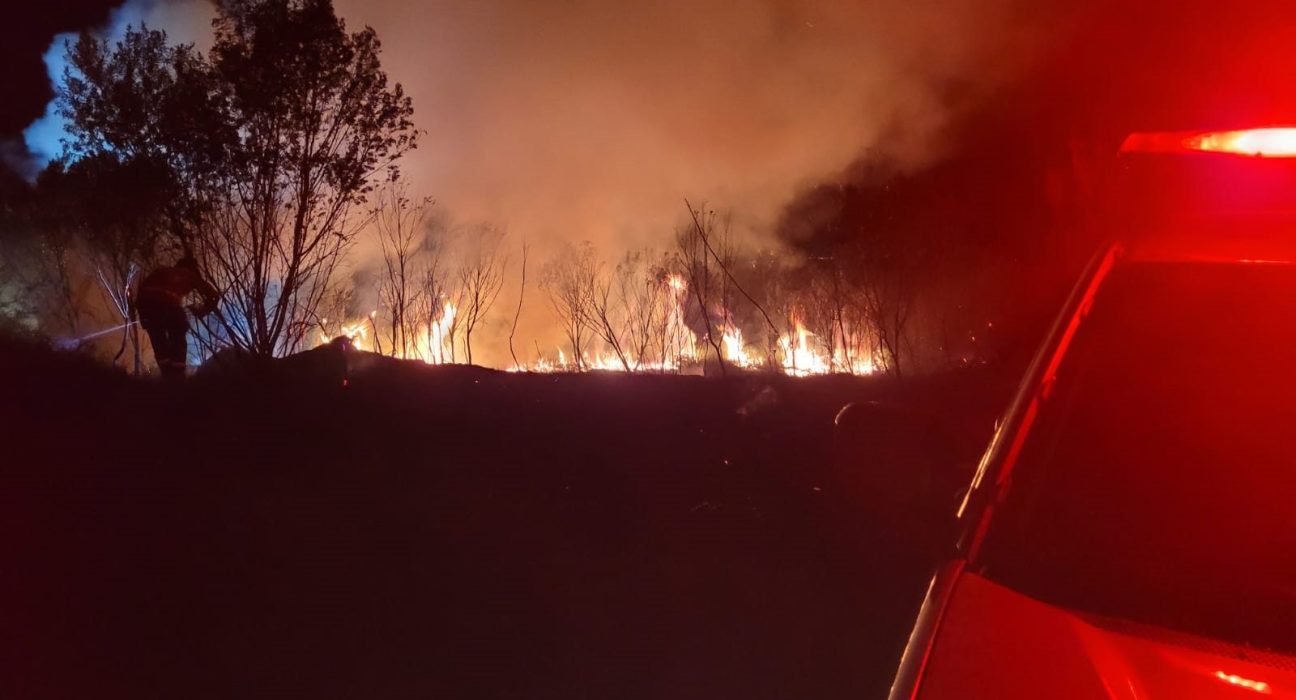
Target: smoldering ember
[(508, 349)]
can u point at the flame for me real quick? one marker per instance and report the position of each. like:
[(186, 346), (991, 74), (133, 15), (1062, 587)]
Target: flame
[(431, 343), (434, 342), (603, 361), (675, 346), (682, 341), (356, 331), (678, 348), (735, 351), (799, 359)]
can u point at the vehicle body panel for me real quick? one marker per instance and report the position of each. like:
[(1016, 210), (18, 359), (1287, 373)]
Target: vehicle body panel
[(975, 638), (997, 643)]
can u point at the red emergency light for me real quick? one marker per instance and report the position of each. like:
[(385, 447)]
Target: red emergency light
[(1268, 142)]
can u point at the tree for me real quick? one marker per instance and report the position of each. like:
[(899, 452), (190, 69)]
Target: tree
[(317, 126), (642, 299), (673, 335), (437, 311), (693, 244), (882, 231), (571, 279), (517, 313), (768, 279), (604, 319), (144, 100), (140, 117), (400, 226), (835, 313), (42, 274), (115, 208), (887, 288), (275, 142), (720, 249), (39, 287), (481, 275)]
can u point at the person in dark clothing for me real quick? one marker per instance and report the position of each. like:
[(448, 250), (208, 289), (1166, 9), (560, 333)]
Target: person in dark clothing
[(160, 304)]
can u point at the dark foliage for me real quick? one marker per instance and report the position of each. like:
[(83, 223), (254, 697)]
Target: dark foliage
[(272, 145)]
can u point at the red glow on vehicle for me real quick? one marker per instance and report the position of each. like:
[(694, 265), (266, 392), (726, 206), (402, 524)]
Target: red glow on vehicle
[(1233, 679), (1270, 142), (1046, 386)]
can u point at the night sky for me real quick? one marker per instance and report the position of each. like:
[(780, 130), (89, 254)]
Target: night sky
[(25, 34)]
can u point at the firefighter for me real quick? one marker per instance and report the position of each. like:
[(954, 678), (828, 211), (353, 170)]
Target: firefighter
[(160, 303)]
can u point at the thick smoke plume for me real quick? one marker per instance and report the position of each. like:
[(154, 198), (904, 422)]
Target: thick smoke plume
[(593, 120)]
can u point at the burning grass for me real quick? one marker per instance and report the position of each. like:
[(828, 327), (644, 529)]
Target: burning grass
[(669, 343)]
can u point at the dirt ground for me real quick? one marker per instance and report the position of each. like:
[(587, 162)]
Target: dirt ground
[(446, 532)]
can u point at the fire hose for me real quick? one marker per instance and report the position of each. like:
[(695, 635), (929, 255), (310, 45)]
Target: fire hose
[(67, 343)]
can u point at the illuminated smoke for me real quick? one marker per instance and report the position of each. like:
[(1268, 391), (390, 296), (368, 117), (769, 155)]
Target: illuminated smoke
[(592, 120)]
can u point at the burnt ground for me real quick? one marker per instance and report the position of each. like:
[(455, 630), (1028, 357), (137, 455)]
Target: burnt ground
[(446, 532)]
